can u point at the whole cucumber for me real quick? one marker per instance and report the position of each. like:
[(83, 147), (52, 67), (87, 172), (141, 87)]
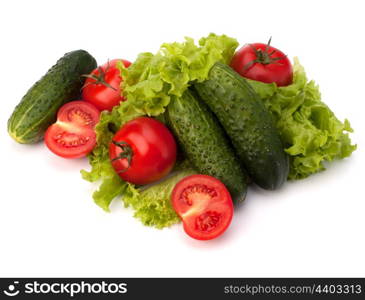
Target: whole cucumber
[(248, 124), (38, 108), (205, 144)]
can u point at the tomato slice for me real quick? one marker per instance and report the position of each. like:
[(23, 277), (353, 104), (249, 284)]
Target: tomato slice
[(204, 205), (80, 113), (69, 140)]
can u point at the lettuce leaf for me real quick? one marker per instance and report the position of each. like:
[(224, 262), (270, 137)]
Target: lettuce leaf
[(149, 84), (309, 129), (153, 205), (151, 81)]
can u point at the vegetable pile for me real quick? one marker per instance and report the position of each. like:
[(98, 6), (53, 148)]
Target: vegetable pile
[(180, 134)]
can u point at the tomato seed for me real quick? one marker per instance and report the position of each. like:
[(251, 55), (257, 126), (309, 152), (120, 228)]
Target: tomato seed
[(196, 189), (207, 221), (79, 114), (70, 140)]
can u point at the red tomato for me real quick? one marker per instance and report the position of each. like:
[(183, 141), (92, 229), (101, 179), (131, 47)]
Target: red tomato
[(73, 135), (69, 140), (80, 113), (143, 151), (264, 63), (102, 87), (204, 205)]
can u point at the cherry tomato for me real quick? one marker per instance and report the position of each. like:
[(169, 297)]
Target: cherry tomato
[(262, 62), (73, 136), (102, 86), (143, 151), (204, 205)]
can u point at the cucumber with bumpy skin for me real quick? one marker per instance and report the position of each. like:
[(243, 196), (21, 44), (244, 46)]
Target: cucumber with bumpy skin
[(248, 124), (38, 108), (205, 144)]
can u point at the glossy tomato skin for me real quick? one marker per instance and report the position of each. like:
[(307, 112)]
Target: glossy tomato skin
[(153, 151), (205, 206), (73, 136), (103, 96), (279, 71)]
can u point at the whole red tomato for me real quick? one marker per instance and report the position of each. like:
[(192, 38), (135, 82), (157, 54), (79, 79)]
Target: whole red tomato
[(262, 62), (102, 86), (143, 151)]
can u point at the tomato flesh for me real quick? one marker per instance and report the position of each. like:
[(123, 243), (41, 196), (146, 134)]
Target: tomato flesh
[(80, 113), (73, 136), (152, 150), (70, 141), (262, 62), (204, 205), (104, 93)]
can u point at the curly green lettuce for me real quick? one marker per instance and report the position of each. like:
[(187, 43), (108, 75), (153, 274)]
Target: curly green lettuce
[(309, 129), (151, 81), (149, 84), (153, 205)]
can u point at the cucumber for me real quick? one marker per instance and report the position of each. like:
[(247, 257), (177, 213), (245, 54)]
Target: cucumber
[(205, 144), (38, 108), (248, 124)]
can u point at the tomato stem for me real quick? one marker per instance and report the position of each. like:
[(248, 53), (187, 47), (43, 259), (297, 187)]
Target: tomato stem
[(127, 153), (99, 79), (263, 56)]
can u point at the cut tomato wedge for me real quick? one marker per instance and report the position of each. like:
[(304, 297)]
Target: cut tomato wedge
[(204, 205)]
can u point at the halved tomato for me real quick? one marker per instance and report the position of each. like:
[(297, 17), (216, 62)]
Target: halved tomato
[(69, 140), (79, 113), (73, 136), (204, 205)]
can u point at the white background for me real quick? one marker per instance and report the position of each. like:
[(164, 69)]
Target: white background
[(49, 225)]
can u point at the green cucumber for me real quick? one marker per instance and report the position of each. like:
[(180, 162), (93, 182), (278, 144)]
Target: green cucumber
[(248, 124), (205, 144), (38, 108)]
